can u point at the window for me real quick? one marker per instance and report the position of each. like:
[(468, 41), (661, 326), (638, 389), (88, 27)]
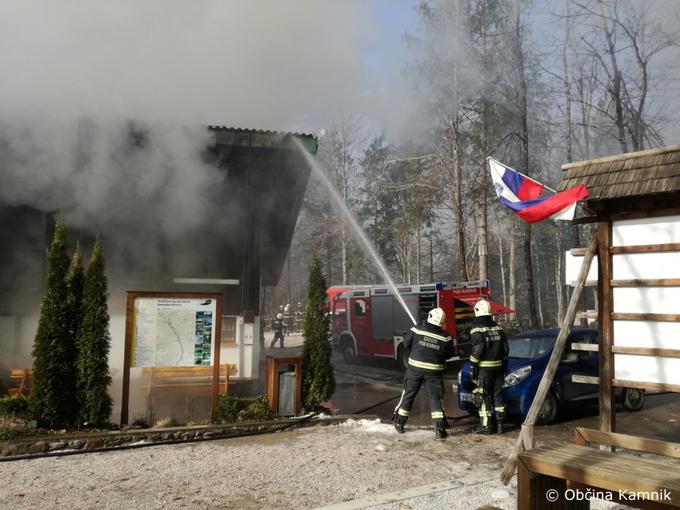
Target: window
[(359, 308)]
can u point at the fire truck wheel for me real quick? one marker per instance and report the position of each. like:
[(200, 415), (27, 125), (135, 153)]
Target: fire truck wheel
[(347, 349), (402, 358)]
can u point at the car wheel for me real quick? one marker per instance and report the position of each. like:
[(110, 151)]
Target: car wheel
[(549, 410), (633, 399), (348, 354), (402, 358)]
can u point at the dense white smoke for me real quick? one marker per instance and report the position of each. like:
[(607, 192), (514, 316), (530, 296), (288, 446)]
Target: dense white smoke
[(255, 64), (78, 74), (81, 79)]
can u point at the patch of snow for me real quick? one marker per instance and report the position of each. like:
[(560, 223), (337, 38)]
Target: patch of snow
[(500, 494)]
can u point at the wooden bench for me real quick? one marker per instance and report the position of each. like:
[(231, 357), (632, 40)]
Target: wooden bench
[(573, 469), (23, 375), (186, 377)]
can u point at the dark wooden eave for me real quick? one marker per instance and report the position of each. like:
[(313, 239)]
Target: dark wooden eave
[(627, 184)]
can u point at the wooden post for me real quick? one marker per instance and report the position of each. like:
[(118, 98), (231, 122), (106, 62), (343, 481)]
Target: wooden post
[(129, 324), (553, 363), (217, 346), (605, 309)]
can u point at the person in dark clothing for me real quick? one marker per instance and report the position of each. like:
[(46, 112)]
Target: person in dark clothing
[(278, 327), (429, 347), (489, 361)]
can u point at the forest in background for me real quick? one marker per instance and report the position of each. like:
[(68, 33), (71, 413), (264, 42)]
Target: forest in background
[(492, 78)]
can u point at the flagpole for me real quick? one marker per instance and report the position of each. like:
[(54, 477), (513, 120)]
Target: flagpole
[(520, 173)]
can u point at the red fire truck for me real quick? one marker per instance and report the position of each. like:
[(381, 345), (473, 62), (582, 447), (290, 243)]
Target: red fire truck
[(368, 320)]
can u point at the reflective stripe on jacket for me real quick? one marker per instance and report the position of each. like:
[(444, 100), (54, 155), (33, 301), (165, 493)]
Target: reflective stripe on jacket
[(429, 347)]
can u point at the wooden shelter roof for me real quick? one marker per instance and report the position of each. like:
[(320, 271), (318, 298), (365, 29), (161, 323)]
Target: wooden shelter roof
[(633, 174)]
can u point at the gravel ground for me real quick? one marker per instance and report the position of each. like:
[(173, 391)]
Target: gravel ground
[(354, 462)]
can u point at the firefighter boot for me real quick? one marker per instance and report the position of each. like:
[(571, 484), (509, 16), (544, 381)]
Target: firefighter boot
[(399, 422), (440, 430), (500, 416), (482, 430)]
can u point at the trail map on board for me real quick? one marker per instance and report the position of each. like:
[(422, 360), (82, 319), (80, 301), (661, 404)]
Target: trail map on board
[(173, 331)]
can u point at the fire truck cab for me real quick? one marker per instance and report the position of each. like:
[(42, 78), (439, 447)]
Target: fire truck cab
[(370, 321)]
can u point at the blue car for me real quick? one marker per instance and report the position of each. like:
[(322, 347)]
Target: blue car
[(529, 355)]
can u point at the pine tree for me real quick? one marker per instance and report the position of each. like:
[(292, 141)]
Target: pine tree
[(93, 345), (318, 380), (75, 282), (52, 395)]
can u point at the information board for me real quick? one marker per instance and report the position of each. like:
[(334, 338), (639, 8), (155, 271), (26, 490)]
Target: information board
[(169, 331)]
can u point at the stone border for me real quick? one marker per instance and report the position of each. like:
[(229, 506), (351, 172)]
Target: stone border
[(71, 444)]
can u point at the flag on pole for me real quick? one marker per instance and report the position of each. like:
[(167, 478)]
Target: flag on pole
[(522, 194)]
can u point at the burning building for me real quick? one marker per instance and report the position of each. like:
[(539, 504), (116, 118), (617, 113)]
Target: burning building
[(227, 237)]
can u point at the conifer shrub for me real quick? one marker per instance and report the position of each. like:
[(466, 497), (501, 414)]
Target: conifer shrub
[(318, 379), (94, 342), (52, 396)]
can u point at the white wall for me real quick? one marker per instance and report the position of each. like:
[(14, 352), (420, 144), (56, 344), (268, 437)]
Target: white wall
[(659, 300)]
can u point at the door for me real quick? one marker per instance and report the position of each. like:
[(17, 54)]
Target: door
[(382, 326), (360, 321), (583, 363)]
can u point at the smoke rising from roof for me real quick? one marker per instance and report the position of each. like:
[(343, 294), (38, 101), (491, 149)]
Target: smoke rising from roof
[(261, 64), (82, 78)]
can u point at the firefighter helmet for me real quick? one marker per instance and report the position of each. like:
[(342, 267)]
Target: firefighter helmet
[(436, 317), (483, 307), (279, 316)]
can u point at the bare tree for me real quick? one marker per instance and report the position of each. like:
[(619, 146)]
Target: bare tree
[(623, 40)]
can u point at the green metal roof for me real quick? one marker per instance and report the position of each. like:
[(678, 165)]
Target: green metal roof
[(263, 138)]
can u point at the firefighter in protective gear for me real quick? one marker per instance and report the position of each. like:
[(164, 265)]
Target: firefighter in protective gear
[(489, 360), (429, 347), (278, 327)]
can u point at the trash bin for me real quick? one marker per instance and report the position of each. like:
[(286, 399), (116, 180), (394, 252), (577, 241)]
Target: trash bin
[(284, 385)]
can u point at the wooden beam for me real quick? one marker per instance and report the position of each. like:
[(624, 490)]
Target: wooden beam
[(645, 248), (589, 314), (553, 363), (624, 383), (660, 282), (585, 379), (591, 283), (646, 207), (605, 309), (646, 351), (585, 347), (660, 317), (636, 443), (578, 437), (578, 252)]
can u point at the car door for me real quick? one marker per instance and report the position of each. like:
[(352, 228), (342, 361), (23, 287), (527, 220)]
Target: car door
[(361, 324), (584, 363)]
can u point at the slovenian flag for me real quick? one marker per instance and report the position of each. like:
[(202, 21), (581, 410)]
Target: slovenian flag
[(522, 195)]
